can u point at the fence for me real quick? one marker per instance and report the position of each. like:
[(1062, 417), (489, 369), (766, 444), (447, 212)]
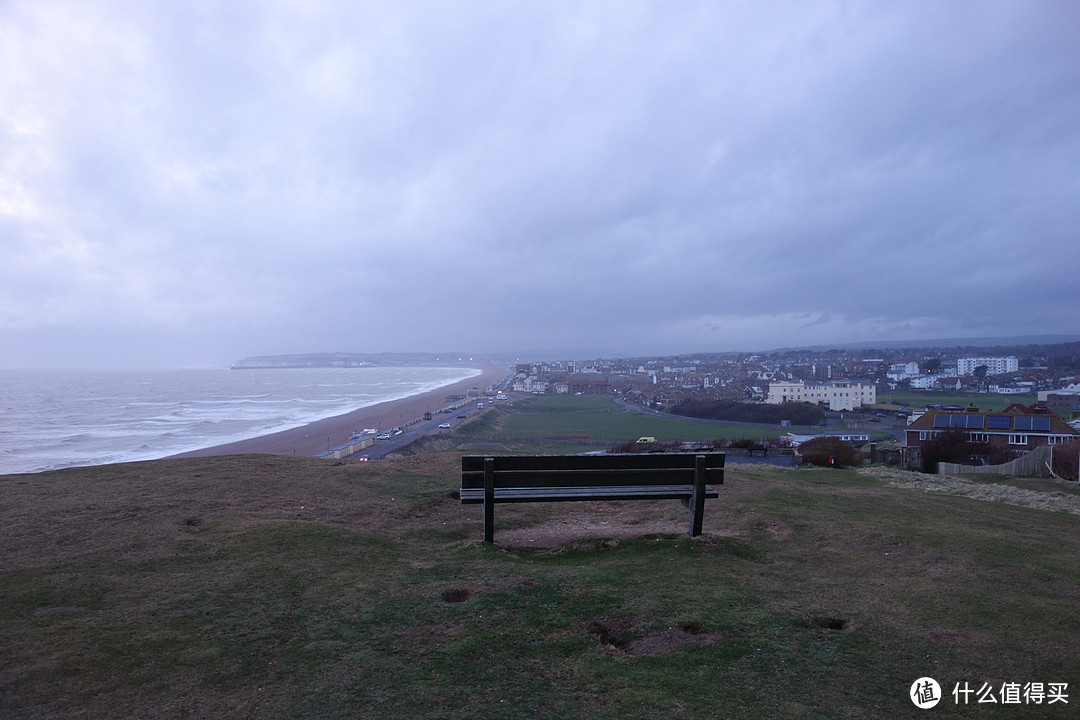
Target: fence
[(1036, 463)]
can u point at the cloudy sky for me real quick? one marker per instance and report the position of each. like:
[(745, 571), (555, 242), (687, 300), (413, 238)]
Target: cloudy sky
[(195, 182)]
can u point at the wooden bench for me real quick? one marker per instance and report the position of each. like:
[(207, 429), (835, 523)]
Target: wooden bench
[(487, 480)]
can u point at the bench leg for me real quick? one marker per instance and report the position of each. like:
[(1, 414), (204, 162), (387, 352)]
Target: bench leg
[(697, 500), (489, 500)]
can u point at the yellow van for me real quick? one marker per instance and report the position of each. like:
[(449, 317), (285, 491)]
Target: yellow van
[(646, 439)]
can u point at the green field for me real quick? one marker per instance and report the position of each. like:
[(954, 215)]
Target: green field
[(284, 587), (985, 402), (601, 418)]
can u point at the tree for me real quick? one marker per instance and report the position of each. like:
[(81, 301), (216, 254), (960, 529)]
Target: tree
[(931, 366), (954, 445), (980, 371)]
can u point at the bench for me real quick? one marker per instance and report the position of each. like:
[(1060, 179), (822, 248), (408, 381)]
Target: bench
[(487, 480)]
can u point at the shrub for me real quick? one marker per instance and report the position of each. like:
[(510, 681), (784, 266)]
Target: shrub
[(954, 445), (799, 413), (830, 452), (1067, 460)]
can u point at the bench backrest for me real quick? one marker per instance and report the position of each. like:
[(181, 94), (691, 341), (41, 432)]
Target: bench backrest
[(591, 470)]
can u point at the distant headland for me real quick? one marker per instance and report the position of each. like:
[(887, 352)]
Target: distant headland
[(353, 360)]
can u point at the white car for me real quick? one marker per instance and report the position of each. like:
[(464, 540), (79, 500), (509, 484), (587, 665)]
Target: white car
[(445, 425), (383, 436)]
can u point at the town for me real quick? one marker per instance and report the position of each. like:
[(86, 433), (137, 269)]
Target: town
[(980, 412), (843, 379)]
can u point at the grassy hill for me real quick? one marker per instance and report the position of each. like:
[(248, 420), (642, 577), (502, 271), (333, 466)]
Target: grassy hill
[(277, 587)]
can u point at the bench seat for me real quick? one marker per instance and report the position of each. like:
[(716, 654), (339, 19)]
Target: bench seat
[(475, 496)]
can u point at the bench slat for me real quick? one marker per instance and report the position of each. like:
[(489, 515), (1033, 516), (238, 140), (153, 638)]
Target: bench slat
[(475, 496), (570, 478), (631, 461)]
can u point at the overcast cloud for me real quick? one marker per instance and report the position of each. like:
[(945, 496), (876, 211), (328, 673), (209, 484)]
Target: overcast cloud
[(191, 183)]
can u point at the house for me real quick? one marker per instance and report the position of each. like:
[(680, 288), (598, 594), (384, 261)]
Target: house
[(856, 439), (1064, 401), (903, 371), (587, 384), (925, 382), (531, 384), (1018, 429), (837, 394)]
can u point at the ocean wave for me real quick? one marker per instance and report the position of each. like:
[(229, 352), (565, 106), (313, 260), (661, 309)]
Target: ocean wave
[(153, 415)]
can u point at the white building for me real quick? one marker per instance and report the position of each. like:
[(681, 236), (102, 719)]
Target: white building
[(994, 365), (531, 384), (903, 371), (838, 394), (1070, 389)]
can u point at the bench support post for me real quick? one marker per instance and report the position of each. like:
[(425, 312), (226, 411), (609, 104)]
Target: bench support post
[(697, 499), (489, 500)]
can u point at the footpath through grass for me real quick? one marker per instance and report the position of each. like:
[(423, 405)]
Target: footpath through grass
[(275, 587)]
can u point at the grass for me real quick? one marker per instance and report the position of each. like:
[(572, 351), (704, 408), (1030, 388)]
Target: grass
[(601, 419), (984, 401), (279, 587)]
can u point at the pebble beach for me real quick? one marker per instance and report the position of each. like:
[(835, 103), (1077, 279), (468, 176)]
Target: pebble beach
[(317, 437)]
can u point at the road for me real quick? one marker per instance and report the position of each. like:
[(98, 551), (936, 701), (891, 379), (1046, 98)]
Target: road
[(426, 427), (382, 448)]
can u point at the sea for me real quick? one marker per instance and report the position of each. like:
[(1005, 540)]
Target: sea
[(51, 419)]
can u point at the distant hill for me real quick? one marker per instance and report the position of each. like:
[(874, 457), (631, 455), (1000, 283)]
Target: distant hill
[(984, 342), (348, 360)]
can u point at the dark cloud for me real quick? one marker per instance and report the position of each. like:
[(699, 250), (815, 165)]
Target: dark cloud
[(208, 181)]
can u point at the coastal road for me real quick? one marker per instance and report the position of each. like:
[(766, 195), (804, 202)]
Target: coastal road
[(428, 427), (424, 427)]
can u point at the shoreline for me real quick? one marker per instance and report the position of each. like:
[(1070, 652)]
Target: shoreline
[(318, 436)]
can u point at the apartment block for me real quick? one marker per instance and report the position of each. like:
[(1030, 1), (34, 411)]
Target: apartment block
[(837, 394)]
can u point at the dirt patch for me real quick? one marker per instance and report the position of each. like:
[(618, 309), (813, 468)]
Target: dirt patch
[(549, 525), (822, 622), (622, 636), (775, 530), (457, 594)]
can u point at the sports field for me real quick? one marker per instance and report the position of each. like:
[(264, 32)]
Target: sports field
[(601, 418)]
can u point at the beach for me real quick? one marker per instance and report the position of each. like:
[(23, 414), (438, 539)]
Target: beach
[(318, 436)]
